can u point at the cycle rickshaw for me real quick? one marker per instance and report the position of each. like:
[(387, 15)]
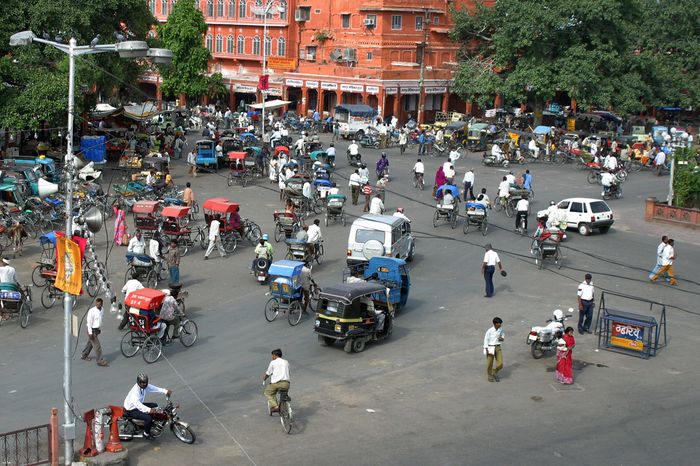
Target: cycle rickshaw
[(224, 208), (335, 208), (239, 169), (145, 217), (322, 159), (286, 225), (508, 204), (286, 291), (301, 251), (145, 307), (476, 217), (174, 226), (15, 301), (544, 247), (446, 212)]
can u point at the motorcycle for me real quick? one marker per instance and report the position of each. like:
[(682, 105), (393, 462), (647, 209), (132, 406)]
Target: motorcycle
[(491, 161), (354, 160), (612, 192), (370, 140), (133, 428), (544, 339), (260, 269)]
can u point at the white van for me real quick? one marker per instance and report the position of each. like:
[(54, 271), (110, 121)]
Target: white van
[(379, 235), (354, 120)]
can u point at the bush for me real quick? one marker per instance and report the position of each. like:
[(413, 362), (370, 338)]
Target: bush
[(686, 180)]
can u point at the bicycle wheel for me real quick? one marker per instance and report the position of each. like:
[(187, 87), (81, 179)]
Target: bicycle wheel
[(436, 218), (592, 177), (183, 245), (254, 233), (484, 227), (90, 284), (279, 233), (151, 279), (152, 349), (37, 279), (202, 239), (229, 179), (294, 313), (314, 295), (130, 345), (510, 209), (230, 243), (272, 308), (453, 217), (319, 254), (129, 273), (498, 204), (558, 258), (188, 333), (286, 416), (538, 258), (23, 315), (48, 298), (634, 166), (465, 226)]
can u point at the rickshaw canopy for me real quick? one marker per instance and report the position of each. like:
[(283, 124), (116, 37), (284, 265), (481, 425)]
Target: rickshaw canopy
[(454, 190), (237, 155), (50, 237), (205, 143), (248, 136), (220, 205), (542, 130), (175, 211), (318, 153), (146, 299), (284, 149), (346, 293), (286, 268), (145, 207)]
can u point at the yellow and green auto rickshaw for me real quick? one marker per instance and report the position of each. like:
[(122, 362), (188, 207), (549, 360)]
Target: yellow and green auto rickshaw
[(477, 137)]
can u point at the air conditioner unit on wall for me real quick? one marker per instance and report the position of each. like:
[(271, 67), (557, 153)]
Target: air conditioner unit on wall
[(349, 54), (302, 14), (369, 23)]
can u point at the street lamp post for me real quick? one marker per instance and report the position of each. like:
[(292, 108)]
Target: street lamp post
[(126, 49), (281, 7)]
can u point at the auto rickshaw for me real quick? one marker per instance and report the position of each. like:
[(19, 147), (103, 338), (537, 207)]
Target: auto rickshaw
[(206, 153), (394, 275), (349, 313), (457, 132), (477, 136)]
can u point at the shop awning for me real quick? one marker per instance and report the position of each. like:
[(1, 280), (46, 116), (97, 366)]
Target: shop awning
[(140, 112), (271, 104)]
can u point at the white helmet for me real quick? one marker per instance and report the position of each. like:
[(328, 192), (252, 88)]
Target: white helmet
[(558, 314)]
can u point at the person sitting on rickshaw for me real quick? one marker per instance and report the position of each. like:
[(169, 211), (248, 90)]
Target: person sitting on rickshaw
[(302, 234), (169, 315), (154, 247), (483, 199), (372, 311), (399, 213), (8, 274), (151, 316), (448, 200), (290, 208), (137, 246), (234, 222)]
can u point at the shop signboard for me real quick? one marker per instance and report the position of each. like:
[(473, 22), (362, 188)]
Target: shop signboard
[(352, 87), (627, 336), (312, 84), (372, 89), (329, 86), (294, 82)]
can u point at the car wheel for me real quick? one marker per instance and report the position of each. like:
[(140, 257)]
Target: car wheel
[(584, 229)]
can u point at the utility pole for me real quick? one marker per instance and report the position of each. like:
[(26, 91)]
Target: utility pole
[(421, 76)]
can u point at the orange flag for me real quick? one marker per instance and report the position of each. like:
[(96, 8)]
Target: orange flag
[(69, 274)]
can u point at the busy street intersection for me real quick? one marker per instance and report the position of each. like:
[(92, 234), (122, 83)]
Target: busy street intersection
[(422, 395)]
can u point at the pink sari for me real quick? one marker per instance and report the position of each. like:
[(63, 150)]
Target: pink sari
[(565, 362), (119, 225)]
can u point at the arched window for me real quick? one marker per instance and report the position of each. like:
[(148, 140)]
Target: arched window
[(152, 6), (231, 8), (241, 45), (164, 7), (208, 42), (210, 8), (220, 8), (242, 9), (229, 44), (219, 43), (281, 47), (268, 46), (256, 45)]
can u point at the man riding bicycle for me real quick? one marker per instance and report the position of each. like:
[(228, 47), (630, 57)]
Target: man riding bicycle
[(278, 373), (135, 407)]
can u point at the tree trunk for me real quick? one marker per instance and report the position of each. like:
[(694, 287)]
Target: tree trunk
[(537, 108)]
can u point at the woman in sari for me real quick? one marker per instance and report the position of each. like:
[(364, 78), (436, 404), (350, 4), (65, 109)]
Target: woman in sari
[(440, 179), (119, 224), (565, 357)]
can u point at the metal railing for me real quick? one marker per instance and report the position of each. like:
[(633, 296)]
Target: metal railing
[(30, 446)]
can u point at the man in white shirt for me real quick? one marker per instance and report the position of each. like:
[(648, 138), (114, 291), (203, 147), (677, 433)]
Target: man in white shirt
[(135, 405), (483, 199), (418, 169), (449, 173), (399, 213), (497, 153), (376, 207), (136, 244), (8, 274), (299, 146), (306, 190), (278, 373), (93, 322), (314, 237), (492, 349), (522, 209), (383, 134), (668, 257), (354, 184), (659, 161), (607, 179), (659, 256), (154, 247), (331, 150), (586, 301), (510, 178), (448, 199), (363, 171), (468, 181), (488, 267), (504, 188), (215, 238), (610, 162), (353, 149), (532, 147)]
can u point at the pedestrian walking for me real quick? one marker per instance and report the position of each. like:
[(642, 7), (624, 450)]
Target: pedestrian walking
[(667, 259), (586, 300), (336, 130), (178, 147), (468, 181), (173, 260), (93, 322), (421, 143), (403, 140), (488, 267), (565, 357), (192, 163), (215, 238), (354, 184), (367, 191), (659, 255), (493, 339)]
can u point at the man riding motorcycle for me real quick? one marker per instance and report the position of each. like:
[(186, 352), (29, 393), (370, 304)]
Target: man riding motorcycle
[(263, 250), (382, 166), (354, 151), (136, 408)]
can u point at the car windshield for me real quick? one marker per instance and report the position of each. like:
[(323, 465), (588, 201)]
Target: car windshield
[(362, 236), (599, 206), (332, 308)]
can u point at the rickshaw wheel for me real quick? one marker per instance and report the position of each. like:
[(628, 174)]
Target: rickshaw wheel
[(484, 228), (538, 258), (319, 254), (152, 349), (202, 238), (272, 308), (37, 279), (188, 333), (182, 245), (244, 180), (325, 220), (129, 273), (465, 227), (23, 315), (558, 259), (229, 179), (342, 219), (510, 210), (326, 341), (453, 218), (165, 243), (91, 284), (128, 348), (47, 297), (436, 216), (230, 244), (151, 279), (279, 233), (497, 204), (294, 313), (357, 345)]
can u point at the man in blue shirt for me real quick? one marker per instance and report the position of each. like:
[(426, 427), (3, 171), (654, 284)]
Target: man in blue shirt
[(527, 180)]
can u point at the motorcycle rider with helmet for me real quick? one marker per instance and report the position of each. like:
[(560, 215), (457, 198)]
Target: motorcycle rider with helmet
[(263, 250), (135, 406)]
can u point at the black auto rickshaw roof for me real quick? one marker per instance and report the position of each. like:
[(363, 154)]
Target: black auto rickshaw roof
[(347, 292)]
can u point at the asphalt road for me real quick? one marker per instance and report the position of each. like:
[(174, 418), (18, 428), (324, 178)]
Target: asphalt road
[(420, 397)]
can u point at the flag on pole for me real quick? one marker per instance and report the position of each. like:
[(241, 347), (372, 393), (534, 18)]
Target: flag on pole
[(263, 82), (69, 274)]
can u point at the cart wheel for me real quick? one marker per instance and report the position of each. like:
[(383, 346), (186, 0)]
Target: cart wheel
[(325, 220), (254, 234), (465, 227), (484, 228), (48, 298), (592, 177), (358, 345), (558, 258), (151, 279), (314, 295), (326, 341), (23, 315), (538, 258), (294, 313), (37, 279), (229, 179), (272, 308), (436, 216), (152, 349), (497, 204), (454, 217), (129, 273), (130, 344), (90, 284), (230, 243), (164, 243), (279, 233), (510, 210), (202, 239), (342, 219), (188, 333), (319, 254)]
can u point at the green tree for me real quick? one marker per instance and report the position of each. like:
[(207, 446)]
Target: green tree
[(183, 35), (528, 50), (34, 79), (686, 179)]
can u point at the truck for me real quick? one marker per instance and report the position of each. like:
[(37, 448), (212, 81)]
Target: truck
[(354, 120)]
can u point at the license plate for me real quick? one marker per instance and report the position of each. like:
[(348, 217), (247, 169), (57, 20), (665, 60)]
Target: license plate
[(532, 337)]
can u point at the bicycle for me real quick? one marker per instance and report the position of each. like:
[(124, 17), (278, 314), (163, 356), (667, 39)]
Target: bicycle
[(285, 409), (521, 224), (418, 181)]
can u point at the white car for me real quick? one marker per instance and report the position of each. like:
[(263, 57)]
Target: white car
[(586, 214)]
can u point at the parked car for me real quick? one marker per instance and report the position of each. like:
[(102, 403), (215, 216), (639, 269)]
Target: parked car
[(586, 214), (379, 235)]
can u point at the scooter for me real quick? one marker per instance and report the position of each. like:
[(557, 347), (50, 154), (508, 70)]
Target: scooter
[(491, 161), (544, 339), (133, 428), (612, 192), (354, 160), (260, 269)]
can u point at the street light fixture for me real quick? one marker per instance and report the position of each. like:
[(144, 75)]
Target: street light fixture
[(125, 49)]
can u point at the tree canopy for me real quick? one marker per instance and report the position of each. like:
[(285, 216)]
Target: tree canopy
[(183, 35), (625, 54), (34, 79)]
